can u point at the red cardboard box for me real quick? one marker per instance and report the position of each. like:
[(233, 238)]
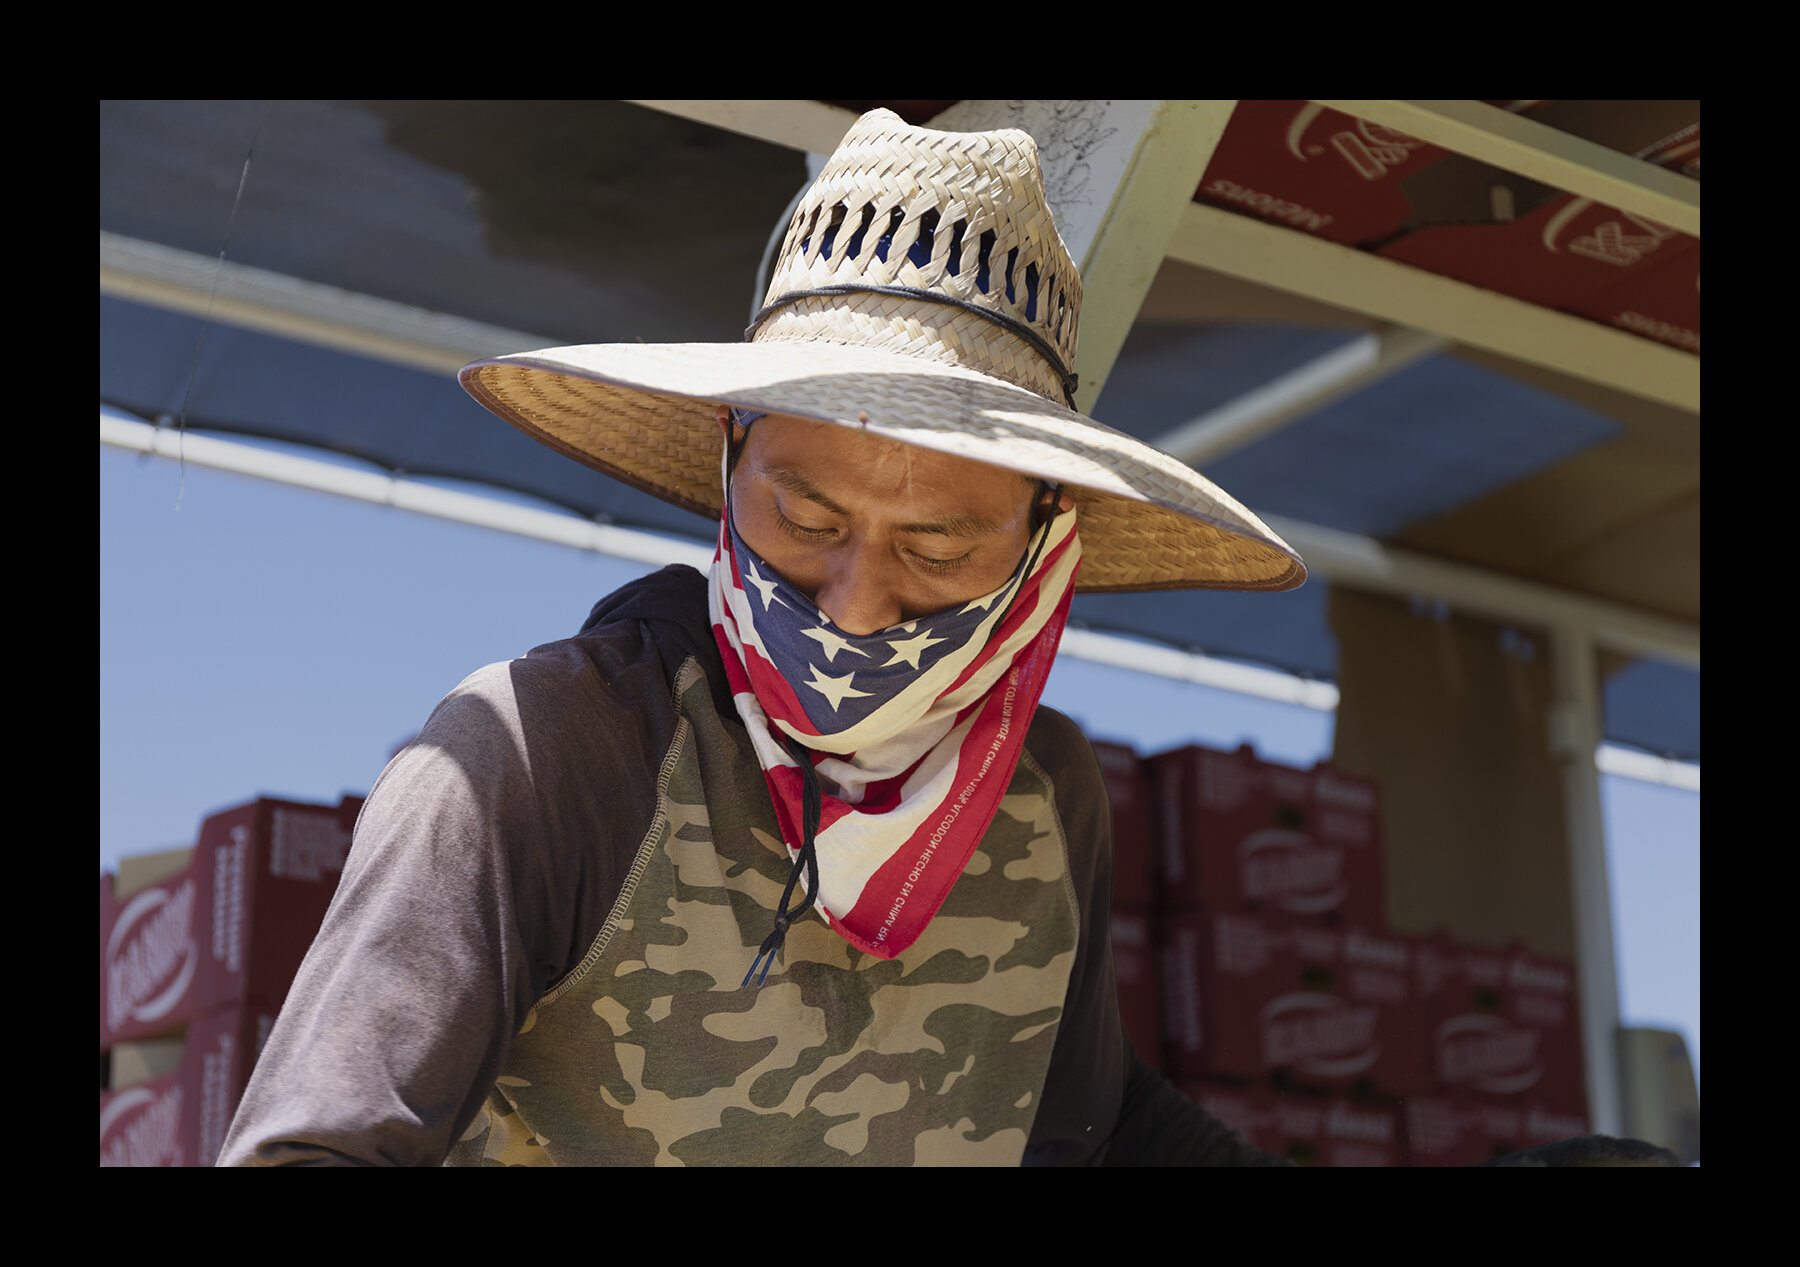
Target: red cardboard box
[(228, 931), (1236, 833), (1560, 254), (1321, 1007), (1317, 170), (180, 1118), (1133, 880), (1561, 251), (1368, 186), (1134, 968), (1310, 1130), (141, 1125), (1662, 303), (1466, 1130), (1504, 1024)]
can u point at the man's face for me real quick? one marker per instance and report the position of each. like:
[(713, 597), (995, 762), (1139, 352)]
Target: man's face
[(874, 532)]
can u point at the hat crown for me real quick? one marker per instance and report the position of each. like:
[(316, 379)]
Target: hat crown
[(936, 244)]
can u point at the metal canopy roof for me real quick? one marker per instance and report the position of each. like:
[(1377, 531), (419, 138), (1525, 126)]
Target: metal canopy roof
[(1404, 426)]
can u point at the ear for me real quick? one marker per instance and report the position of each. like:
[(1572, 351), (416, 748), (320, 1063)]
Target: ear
[(734, 440), (733, 434), (1050, 503)]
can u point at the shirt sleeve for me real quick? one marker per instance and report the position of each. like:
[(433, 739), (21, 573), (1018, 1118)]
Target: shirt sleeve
[(469, 880)]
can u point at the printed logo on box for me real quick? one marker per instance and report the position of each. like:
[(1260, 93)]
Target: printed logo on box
[(1320, 1034), (1610, 241), (1548, 1124), (1287, 867), (1370, 150), (1523, 973), (150, 1138), (1488, 1053), (150, 957), (1351, 794), (1347, 1122)]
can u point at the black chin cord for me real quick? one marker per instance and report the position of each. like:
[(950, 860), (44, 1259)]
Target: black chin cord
[(810, 805)]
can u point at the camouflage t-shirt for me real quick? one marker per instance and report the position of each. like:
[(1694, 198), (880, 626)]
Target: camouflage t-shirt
[(534, 954)]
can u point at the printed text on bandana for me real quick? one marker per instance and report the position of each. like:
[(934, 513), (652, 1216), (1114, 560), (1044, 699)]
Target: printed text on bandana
[(956, 807)]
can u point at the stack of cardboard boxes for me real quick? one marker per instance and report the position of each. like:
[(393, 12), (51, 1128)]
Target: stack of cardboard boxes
[(197, 950), (1504, 1053), (1285, 1005), (1368, 186)]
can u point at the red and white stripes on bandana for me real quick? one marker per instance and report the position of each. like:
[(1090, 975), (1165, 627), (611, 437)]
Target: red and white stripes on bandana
[(913, 732)]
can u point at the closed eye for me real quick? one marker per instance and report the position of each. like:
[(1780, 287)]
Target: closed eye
[(804, 534), (815, 536), (930, 564)]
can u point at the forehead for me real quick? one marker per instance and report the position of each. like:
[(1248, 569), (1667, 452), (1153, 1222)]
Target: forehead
[(846, 457)]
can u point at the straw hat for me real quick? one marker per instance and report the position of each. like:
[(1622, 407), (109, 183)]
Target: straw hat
[(922, 294)]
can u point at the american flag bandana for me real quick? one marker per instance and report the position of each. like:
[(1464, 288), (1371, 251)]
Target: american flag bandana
[(914, 732)]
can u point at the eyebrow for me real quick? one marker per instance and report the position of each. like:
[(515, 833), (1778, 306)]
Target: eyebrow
[(949, 526)]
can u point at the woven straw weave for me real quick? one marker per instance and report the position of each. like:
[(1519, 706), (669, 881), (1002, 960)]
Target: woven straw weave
[(978, 194)]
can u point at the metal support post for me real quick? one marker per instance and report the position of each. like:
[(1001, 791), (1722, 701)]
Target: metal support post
[(1575, 731)]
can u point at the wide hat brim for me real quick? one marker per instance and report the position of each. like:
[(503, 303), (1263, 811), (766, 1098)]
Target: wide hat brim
[(647, 414)]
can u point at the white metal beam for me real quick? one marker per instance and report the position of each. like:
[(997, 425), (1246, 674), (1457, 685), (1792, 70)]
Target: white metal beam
[(1364, 360), (1366, 564), (1121, 260), (405, 494), (1519, 143), (1287, 259), (1628, 763), (274, 303)]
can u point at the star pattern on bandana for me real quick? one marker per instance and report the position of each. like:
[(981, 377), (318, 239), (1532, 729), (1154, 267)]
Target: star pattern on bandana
[(833, 643), (767, 587), (892, 666), (834, 689), (908, 650)]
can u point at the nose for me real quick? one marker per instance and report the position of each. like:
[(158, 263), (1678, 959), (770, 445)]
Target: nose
[(858, 594)]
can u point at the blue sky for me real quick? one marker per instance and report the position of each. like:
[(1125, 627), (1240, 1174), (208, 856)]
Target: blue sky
[(258, 639)]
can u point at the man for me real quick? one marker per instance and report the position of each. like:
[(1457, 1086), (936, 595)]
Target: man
[(783, 864)]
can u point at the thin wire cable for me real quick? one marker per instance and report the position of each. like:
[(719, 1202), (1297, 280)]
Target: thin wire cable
[(206, 321)]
